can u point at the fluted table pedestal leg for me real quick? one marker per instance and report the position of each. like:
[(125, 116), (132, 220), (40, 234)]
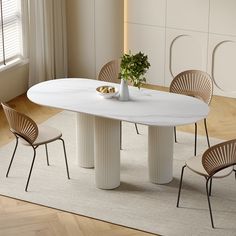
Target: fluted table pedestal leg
[(107, 153), (160, 154), (85, 140)]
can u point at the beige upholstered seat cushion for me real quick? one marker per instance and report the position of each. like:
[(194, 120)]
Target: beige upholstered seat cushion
[(46, 134), (195, 164)]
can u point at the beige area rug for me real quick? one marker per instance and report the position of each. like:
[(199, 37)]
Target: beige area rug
[(136, 203)]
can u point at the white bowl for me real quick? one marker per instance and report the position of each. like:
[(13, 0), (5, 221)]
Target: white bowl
[(106, 94)]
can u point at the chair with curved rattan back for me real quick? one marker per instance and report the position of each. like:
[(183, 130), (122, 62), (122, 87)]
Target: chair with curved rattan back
[(194, 83), (110, 73), (30, 134), (216, 162)]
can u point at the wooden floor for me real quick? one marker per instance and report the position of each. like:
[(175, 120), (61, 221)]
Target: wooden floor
[(21, 218)]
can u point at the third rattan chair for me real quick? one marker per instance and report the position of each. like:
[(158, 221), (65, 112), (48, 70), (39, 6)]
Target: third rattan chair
[(197, 84), (216, 162), (30, 134), (110, 73)]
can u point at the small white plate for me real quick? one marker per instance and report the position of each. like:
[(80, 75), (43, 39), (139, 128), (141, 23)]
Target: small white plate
[(106, 94)]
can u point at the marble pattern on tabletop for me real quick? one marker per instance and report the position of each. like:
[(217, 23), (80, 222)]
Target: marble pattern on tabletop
[(145, 106)]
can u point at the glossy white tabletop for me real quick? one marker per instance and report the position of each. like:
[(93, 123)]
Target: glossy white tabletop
[(145, 106)]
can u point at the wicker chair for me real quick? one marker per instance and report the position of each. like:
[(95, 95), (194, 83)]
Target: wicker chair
[(25, 129), (110, 73), (197, 84), (216, 162)]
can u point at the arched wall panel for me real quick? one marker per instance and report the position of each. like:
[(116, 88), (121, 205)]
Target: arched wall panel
[(222, 64), (192, 29), (184, 51)]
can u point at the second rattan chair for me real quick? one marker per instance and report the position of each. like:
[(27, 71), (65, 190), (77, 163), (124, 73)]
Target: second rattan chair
[(194, 83), (30, 134), (110, 73), (216, 162)]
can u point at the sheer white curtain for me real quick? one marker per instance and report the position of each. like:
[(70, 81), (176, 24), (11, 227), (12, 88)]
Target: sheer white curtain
[(47, 40)]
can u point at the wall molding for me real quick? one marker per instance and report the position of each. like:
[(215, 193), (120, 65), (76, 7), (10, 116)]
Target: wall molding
[(217, 46)]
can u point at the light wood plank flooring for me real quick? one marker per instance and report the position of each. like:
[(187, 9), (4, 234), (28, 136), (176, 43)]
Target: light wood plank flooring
[(22, 218)]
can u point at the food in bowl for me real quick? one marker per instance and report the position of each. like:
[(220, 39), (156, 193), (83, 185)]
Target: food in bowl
[(106, 91)]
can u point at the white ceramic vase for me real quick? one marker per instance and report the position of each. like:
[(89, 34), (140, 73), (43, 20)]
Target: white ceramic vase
[(124, 90)]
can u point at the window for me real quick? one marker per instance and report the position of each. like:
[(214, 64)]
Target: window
[(10, 31)]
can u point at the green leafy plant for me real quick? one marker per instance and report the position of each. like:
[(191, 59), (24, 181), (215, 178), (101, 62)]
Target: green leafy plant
[(133, 68)]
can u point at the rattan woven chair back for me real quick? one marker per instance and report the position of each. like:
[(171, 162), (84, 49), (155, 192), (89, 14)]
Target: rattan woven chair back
[(110, 72), (219, 157), (193, 83), (20, 124)]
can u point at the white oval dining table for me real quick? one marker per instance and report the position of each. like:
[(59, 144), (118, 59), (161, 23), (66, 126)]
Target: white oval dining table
[(98, 124)]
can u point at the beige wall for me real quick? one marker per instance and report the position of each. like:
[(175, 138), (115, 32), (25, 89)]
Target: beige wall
[(179, 35), (13, 82), (95, 30), (80, 38)]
